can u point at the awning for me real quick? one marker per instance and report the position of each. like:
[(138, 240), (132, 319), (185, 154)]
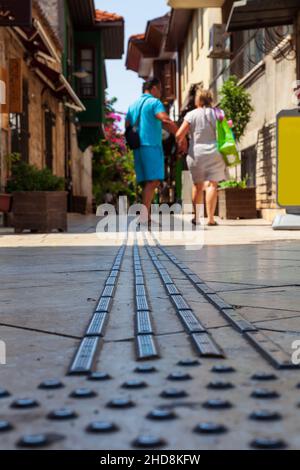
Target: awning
[(113, 40), (46, 63), (82, 12), (59, 85), (253, 14), (67, 91), (111, 26), (36, 38), (147, 45), (134, 54), (179, 23)]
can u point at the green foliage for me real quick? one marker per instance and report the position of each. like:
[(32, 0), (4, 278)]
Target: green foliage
[(113, 162), (236, 102), (25, 177), (234, 184), (12, 158), (113, 173)]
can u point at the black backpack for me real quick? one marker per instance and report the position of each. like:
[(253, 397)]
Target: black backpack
[(131, 133)]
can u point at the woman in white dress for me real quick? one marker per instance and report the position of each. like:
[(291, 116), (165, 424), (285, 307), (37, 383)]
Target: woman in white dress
[(204, 161)]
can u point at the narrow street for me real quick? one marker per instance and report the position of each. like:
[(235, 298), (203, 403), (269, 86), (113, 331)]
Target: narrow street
[(213, 343)]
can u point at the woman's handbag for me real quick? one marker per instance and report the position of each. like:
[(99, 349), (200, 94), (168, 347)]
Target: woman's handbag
[(226, 141), (131, 133)]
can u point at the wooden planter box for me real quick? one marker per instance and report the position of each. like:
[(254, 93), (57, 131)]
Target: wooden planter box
[(40, 211), (79, 204), (236, 203), (5, 202)]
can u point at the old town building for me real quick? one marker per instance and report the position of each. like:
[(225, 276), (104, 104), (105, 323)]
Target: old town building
[(211, 40), (260, 49), (54, 74)]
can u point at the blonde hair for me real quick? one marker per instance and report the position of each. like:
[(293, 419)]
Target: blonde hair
[(204, 97)]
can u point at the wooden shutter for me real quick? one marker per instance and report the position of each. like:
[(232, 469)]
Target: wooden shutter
[(165, 70), (4, 89), (15, 86)]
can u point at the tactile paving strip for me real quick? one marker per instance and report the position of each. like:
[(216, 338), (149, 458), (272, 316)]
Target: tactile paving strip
[(190, 322), (143, 323), (146, 348), (85, 356), (205, 345), (184, 311), (270, 350), (264, 345), (145, 342), (98, 324), (141, 303)]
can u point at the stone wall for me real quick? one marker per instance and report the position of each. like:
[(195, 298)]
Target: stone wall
[(270, 86), (40, 96), (54, 12), (81, 170)]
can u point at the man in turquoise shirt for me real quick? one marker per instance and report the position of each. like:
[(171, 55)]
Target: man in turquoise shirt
[(149, 158)]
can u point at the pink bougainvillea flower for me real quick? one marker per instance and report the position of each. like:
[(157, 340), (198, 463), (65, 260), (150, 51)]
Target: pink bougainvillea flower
[(114, 116)]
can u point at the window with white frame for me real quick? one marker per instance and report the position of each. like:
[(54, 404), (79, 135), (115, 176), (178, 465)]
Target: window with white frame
[(87, 85)]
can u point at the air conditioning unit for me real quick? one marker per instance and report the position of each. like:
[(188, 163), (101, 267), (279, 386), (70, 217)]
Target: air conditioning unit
[(219, 44)]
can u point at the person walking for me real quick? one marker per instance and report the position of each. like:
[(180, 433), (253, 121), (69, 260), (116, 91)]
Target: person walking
[(152, 117), (204, 161)]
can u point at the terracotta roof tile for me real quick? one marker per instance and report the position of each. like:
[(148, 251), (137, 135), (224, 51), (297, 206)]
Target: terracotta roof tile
[(104, 16), (138, 37)]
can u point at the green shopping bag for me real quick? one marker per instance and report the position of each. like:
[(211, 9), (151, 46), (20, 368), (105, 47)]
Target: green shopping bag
[(226, 143)]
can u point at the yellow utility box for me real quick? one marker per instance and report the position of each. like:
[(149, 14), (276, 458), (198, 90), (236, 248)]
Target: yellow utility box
[(288, 159)]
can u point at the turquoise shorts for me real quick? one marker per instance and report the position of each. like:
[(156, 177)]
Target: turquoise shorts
[(149, 162)]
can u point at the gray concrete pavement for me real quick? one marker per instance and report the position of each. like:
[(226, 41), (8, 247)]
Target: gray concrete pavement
[(48, 291)]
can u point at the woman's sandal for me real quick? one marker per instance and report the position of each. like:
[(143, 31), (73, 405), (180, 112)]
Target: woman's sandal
[(212, 225), (194, 222)]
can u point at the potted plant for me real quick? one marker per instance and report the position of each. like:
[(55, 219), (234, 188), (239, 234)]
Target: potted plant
[(39, 199), (236, 200), (236, 103)]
